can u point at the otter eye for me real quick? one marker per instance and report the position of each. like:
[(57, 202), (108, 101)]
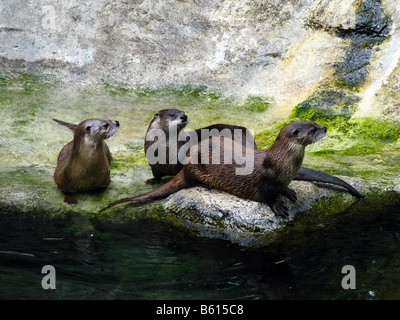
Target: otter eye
[(156, 115), (106, 126), (313, 130), (296, 133), (88, 128)]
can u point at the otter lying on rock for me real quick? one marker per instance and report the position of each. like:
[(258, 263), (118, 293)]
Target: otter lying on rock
[(273, 168), (83, 163)]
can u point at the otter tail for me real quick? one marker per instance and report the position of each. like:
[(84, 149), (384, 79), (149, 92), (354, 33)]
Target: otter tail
[(172, 186), (306, 174)]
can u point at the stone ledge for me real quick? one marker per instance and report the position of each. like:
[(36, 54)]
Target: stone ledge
[(217, 214)]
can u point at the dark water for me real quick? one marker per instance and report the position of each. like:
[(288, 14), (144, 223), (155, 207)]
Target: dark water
[(144, 260)]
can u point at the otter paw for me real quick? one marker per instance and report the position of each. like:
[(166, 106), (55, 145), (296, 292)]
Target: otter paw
[(280, 210), (290, 194), (153, 181), (70, 199)]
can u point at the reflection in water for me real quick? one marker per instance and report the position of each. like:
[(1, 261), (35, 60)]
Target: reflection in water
[(145, 260)]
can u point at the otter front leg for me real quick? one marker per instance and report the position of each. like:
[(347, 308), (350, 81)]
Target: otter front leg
[(70, 198), (153, 181), (156, 179)]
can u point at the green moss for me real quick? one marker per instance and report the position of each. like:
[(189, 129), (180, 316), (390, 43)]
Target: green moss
[(122, 162), (364, 135), (145, 91), (267, 137), (256, 103), (18, 123), (327, 103), (328, 207), (23, 83), (125, 159), (22, 96), (116, 88), (3, 80), (187, 91), (189, 95), (330, 211), (197, 92)]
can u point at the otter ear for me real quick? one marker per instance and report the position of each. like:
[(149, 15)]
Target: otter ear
[(68, 125)]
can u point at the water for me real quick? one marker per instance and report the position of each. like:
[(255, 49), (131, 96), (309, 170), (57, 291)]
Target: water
[(145, 260)]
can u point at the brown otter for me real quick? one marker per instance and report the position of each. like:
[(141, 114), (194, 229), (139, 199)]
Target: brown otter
[(274, 168), (171, 123), (174, 120), (83, 163)]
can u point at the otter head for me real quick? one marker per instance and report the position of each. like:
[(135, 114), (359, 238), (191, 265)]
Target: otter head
[(96, 130), (169, 119), (302, 133)]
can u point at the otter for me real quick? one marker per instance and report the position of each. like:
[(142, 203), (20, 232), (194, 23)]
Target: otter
[(175, 119), (83, 163), (172, 122), (274, 168)]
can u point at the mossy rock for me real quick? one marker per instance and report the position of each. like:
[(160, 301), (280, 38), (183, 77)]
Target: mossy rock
[(32, 142)]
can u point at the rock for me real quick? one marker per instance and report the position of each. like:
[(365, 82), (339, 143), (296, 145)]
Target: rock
[(243, 47), (218, 214), (279, 49)]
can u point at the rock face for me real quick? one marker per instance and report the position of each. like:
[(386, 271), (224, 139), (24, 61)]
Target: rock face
[(281, 49)]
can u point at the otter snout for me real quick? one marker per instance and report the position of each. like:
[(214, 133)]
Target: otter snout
[(112, 129), (321, 132)]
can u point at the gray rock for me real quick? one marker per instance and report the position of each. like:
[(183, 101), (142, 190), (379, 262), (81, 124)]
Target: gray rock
[(236, 46), (218, 214)]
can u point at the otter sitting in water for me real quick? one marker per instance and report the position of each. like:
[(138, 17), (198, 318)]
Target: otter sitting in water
[(83, 163), (274, 168), (174, 121)]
